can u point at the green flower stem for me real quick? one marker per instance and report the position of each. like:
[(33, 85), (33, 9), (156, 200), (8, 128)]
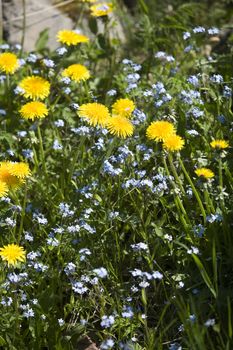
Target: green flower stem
[(15, 198), (228, 174), (41, 150), (111, 148), (209, 202), (182, 212), (16, 314), (36, 162), (174, 172), (144, 302), (22, 215), (196, 194), (78, 151), (86, 89), (220, 166), (8, 91), (52, 105), (220, 173)]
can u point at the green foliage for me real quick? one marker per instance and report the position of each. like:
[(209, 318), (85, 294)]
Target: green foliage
[(42, 41), (124, 242)]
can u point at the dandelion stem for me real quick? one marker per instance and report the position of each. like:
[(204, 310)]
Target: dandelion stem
[(22, 215), (183, 214), (208, 201), (75, 158), (220, 173), (228, 174), (41, 149), (170, 159), (222, 204), (196, 194), (7, 94)]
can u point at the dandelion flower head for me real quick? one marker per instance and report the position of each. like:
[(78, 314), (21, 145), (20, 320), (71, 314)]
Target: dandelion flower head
[(204, 172), (35, 87), (173, 143), (220, 144), (6, 176), (13, 174), (20, 169), (12, 254), (32, 110), (102, 9), (3, 189), (95, 113), (120, 126), (9, 63), (71, 37), (76, 72), (123, 107), (159, 130)]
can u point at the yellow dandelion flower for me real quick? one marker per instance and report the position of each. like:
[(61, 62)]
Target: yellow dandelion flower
[(6, 176), (13, 253), (32, 110), (3, 189), (76, 72), (95, 113), (70, 37), (13, 174), (159, 130), (102, 9), (35, 87), (120, 126), (20, 169), (123, 107), (173, 143), (204, 172), (8, 63), (220, 144)]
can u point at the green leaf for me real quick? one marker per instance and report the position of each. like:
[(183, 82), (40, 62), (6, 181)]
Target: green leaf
[(102, 41), (7, 137), (42, 40), (2, 341), (93, 25), (144, 299), (204, 275), (144, 7)]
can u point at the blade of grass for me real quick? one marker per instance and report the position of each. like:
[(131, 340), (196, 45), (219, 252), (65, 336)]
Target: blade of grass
[(204, 275)]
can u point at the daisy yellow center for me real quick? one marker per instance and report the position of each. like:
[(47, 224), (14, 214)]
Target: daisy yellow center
[(123, 107), (8, 63), (120, 126), (173, 143), (220, 144), (77, 72), (12, 253), (35, 87), (95, 113), (32, 110), (204, 172), (70, 37), (159, 130)]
